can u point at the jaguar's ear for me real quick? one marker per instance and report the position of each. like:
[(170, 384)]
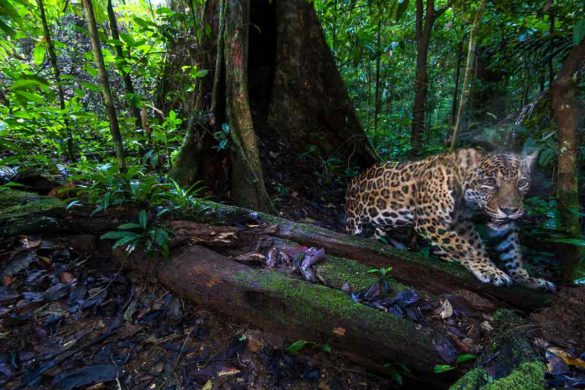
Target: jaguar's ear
[(469, 158), (530, 157)]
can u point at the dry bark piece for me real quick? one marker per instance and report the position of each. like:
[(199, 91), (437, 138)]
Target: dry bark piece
[(187, 232)]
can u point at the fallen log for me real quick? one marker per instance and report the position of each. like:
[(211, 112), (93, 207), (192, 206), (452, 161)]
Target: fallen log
[(26, 212), (296, 309), (410, 268)]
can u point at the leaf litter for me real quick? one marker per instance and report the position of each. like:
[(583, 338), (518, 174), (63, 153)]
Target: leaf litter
[(73, 321)]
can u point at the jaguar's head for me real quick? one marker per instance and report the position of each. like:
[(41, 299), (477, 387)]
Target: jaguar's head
[(497, 184)]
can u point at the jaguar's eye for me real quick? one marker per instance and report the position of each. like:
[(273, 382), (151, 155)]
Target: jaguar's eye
[(523, 183), (488, 182)]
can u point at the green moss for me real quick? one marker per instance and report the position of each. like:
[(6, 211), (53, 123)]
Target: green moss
[(472, 380), (11, 198), (305, 301), (21, 209), (528, 376), (32, 207), (337, 270)]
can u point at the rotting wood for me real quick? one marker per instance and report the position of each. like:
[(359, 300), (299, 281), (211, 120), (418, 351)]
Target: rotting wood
[(273, 301)]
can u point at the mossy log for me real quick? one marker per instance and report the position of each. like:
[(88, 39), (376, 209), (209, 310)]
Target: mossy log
[(24, 213), (410, 268), (294, 308)]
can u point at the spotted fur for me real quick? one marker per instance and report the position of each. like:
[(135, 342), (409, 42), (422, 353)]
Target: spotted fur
[(438, 197)]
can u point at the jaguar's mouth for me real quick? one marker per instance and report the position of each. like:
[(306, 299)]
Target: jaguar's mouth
[(499, 224)]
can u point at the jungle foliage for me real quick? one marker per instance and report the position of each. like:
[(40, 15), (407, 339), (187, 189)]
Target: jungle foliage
[(53, 119)]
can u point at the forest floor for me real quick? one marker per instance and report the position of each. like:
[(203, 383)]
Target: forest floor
[(73, 320)]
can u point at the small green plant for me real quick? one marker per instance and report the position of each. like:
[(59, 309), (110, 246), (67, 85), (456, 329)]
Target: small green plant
[(152, 238), (185, 198), (9, 186), (222, 137), (300, 344), (464, 357), (397, 372), (383, 275)]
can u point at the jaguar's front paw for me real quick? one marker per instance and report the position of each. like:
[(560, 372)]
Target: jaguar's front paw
[(493, 276), (500, 278), (537, 284)]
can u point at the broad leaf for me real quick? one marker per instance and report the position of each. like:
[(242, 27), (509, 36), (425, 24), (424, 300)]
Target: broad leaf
[(296, 346)]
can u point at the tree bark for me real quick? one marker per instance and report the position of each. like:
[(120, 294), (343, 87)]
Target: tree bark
[(248, 187), (425, 19), (469, 65), (565, 103), (105, 85), (455, 104), (295, 309), (128, 85), (57, 73), (377, 101), (274, 81)]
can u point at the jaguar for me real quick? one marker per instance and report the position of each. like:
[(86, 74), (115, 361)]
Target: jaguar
[(439, 196)]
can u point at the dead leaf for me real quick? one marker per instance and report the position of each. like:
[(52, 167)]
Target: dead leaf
[(446, 310), (486, 326), (568, 359), (228, 372), (7, 280), (253, 344), (66, 277), (339, 331), (270, 229)]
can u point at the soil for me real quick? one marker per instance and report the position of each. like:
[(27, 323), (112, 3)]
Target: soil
[(562, 322)]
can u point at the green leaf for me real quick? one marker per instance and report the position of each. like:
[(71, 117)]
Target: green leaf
[(39, 54), (396, 376), (30, 97), (125, 241), (579, 32), (28, 83), (296, 346), (161, 237), (570, 241), (130, 226), (143, 218), (327, 348), (464, 357), (90, 86), (117, 234), (440, 368), (201, 73)]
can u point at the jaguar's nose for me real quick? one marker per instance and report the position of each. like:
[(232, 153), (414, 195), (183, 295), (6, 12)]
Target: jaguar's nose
[(510, 211)]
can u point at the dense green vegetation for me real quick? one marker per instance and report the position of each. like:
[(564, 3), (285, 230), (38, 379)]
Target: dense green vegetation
[(53, 119)]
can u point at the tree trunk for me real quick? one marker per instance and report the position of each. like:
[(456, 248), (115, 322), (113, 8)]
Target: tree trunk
[(273, 79), (128, 85), (57, 72), (455, 100), (105, 85), (425, 19), (377, 102), (469, 65), (565, 103), (248, 187)]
